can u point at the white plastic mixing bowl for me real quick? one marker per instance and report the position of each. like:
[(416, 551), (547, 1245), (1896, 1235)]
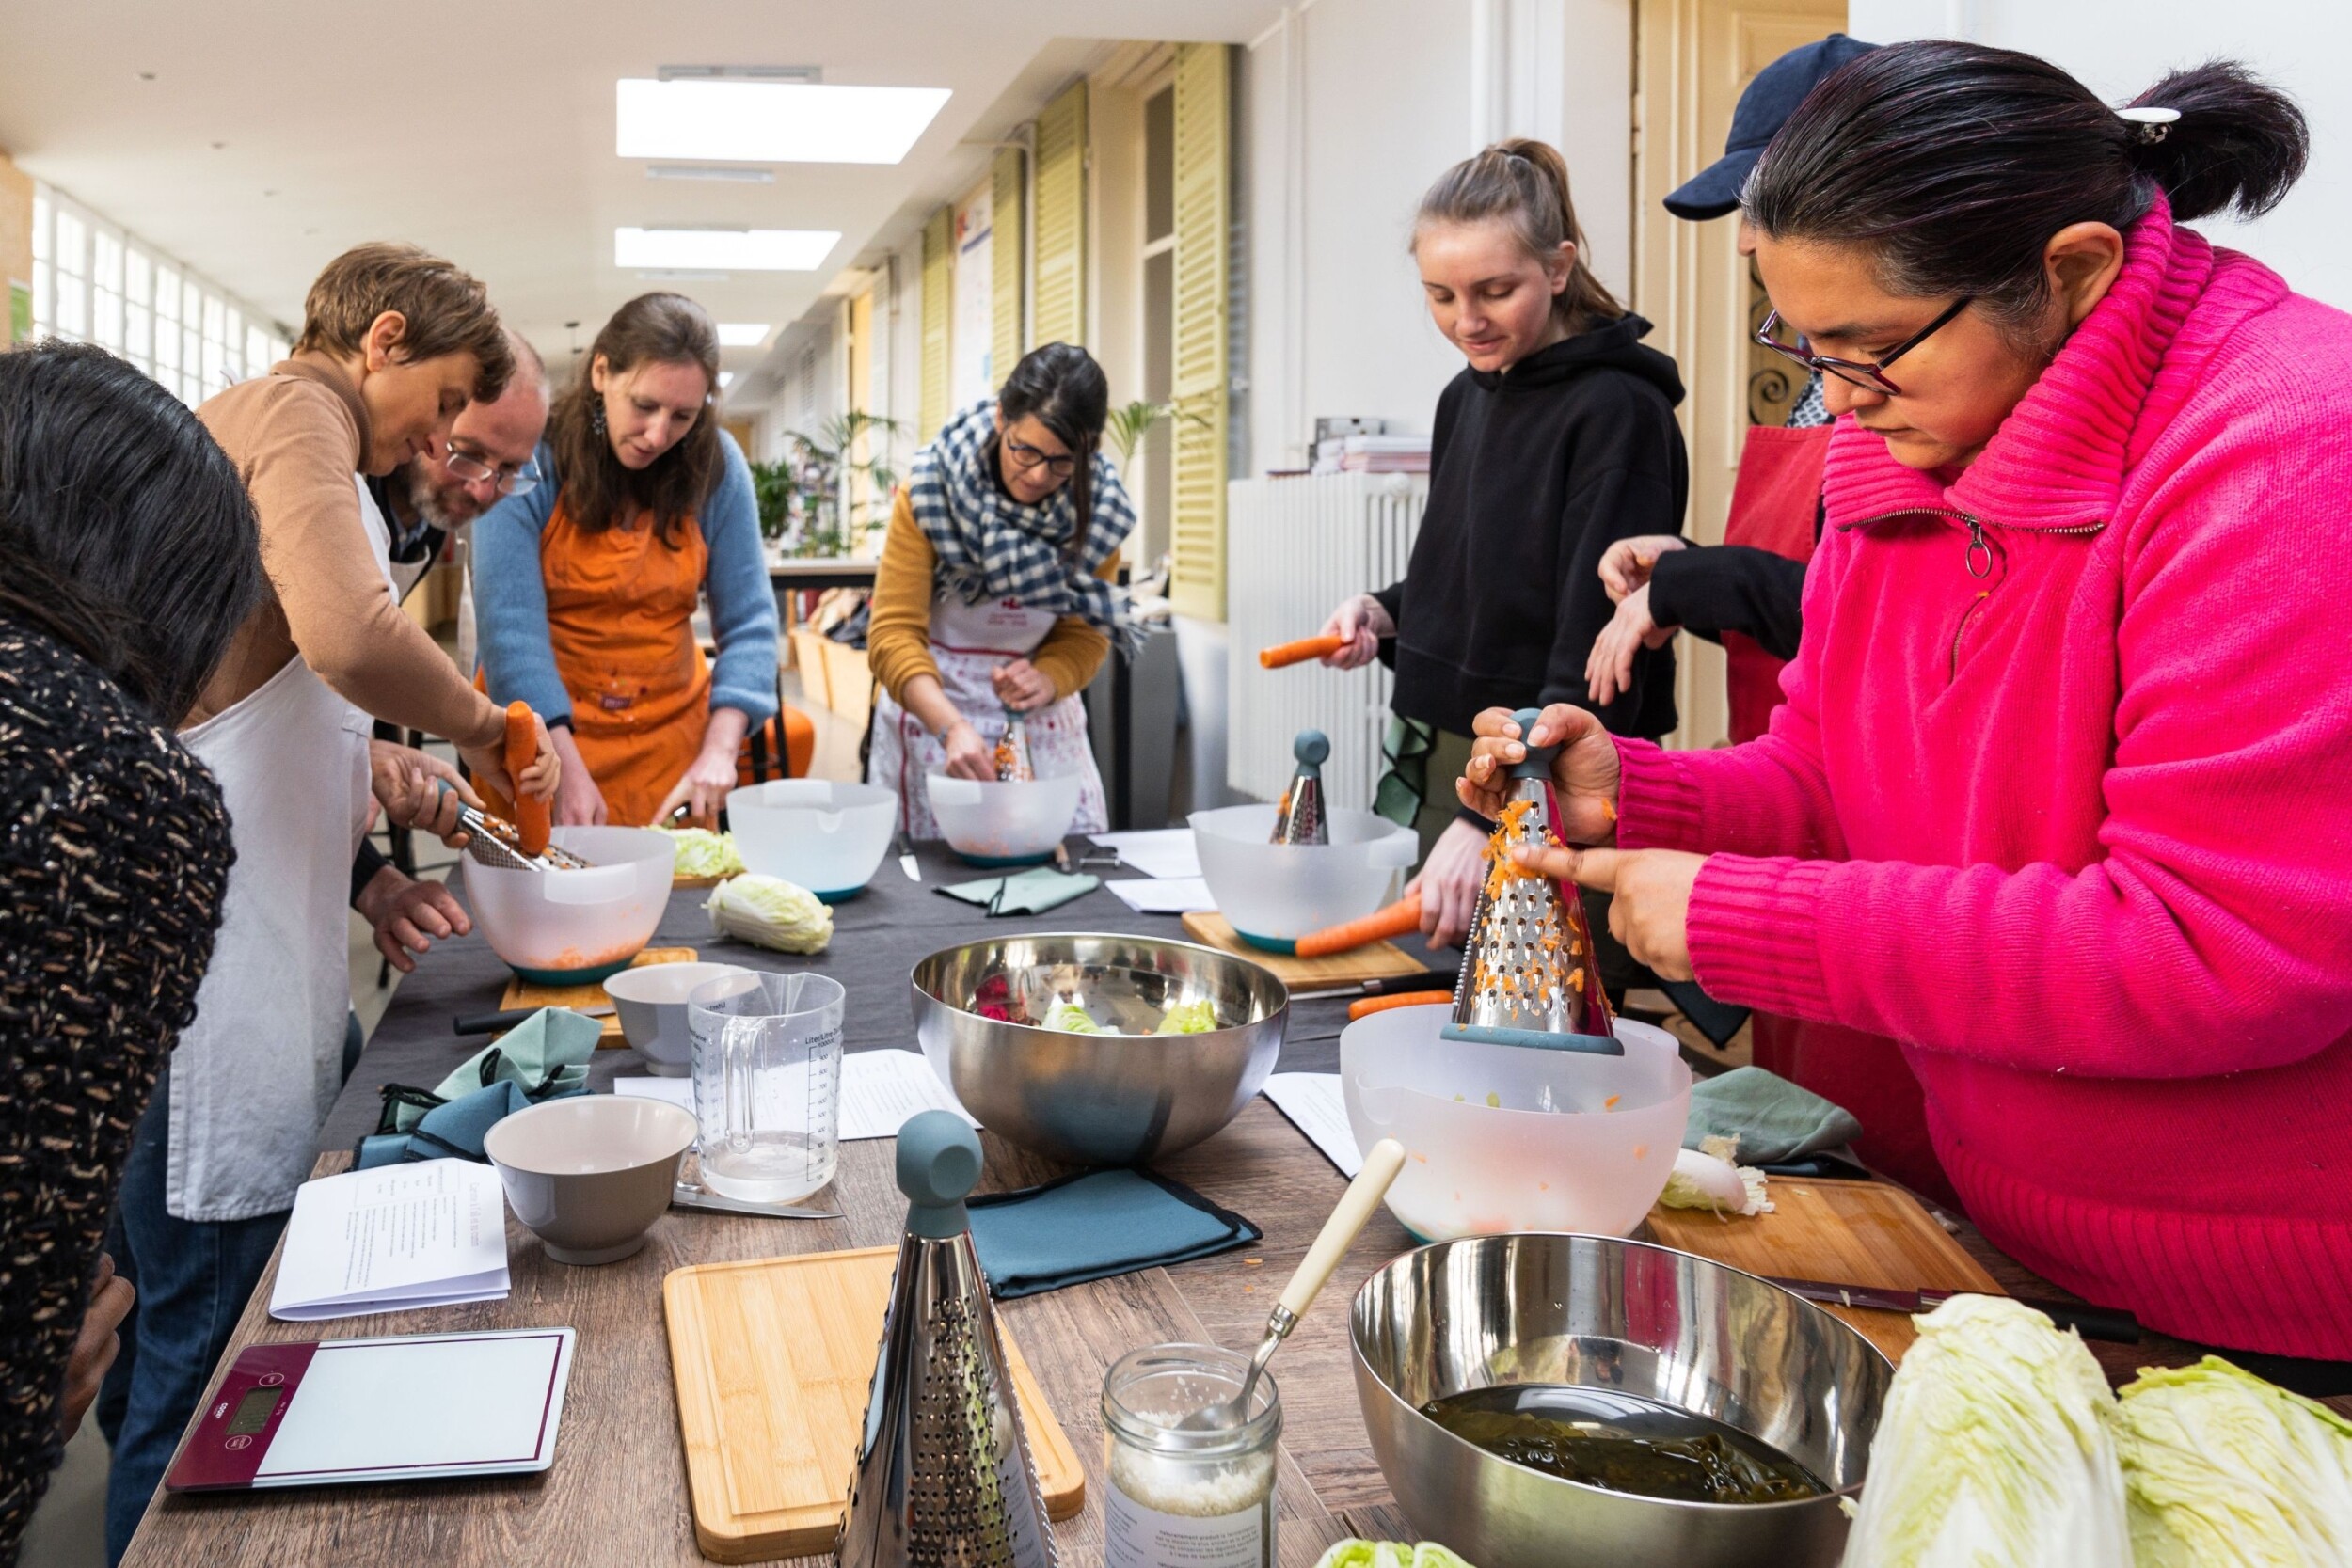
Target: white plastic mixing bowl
[(824, 836), (1274, 893)]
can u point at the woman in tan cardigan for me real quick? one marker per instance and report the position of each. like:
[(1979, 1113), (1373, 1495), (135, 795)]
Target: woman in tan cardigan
[(995, 593)]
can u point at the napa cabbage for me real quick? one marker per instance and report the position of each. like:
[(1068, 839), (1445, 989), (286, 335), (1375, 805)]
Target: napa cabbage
[(2224, 1470), (768, 912)]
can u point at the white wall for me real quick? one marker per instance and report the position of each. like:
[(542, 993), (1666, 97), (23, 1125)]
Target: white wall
[(2119, 47)]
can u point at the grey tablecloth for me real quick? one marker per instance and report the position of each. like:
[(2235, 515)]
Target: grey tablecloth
[(876, 937)]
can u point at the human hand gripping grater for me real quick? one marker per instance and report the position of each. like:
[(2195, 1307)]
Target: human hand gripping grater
[(1299, 818), (1529, 974), (944, 1477), (494, 841)]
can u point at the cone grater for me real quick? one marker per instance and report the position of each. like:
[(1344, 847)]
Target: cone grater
[(1299, 818), (1529, 974), (1012, 751), (944, 1478)]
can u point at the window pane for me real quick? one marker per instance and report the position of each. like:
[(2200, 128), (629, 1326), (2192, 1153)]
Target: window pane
[(138, 337), (257, 354), (191, 302), (167, 294), (72, 308), (106, 262), (215, 366), (42, 208), (138, 277), (214, 317), (72, 254), (168, 353), (44, 310)]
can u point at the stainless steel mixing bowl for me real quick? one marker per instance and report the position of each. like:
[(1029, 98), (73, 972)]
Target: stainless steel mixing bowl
[(1599, 1312), (1097, 1099)]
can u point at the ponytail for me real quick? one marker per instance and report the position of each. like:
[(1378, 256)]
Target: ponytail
[(1955, 164), (1524, 183)]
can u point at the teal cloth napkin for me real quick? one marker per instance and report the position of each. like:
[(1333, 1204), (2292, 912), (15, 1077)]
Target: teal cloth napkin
[(1025, 892), (544, 1058), (1094, 1225), (453, 1130), (1773, 1119)]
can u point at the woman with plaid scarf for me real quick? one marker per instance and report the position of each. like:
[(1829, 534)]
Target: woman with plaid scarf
[(996, 591)]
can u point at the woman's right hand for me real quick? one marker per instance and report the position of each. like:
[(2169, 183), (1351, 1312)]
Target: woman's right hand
[(1585, 772), (968, 755), (1363, 621), (1625, 565), (578, 803)]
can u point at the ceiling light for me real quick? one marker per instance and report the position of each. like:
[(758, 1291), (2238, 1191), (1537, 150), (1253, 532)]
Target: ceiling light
[(740, 173), (680, 274), (742, 334), (726, 378), (771, 122), (740, 72), (724, 249)]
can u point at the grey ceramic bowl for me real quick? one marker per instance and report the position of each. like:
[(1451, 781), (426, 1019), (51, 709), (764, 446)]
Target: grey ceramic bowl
[(1629, 1317), (591, 1173), (1108, 1099), (651, 1004)]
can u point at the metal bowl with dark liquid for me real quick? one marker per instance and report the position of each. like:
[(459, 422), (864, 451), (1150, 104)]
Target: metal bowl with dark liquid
[(1591, 1313), (1117, 1098)]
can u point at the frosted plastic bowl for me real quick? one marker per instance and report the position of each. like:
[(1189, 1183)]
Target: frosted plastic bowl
[(1476, 1168), (1274, 893), (575, 928), (823, 836), (1004, 824)]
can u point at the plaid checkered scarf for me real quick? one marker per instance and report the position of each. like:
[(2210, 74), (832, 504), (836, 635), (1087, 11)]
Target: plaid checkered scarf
[(991, 547)]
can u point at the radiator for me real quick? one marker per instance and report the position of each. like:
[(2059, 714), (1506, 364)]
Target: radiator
[(1296, 548)]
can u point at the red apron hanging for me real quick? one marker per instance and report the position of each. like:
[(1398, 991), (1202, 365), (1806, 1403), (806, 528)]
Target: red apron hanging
[(1774, 502)]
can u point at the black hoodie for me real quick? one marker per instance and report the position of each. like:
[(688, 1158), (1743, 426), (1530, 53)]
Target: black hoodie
[(1534, 473)]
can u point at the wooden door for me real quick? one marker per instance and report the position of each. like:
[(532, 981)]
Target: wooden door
[(1693, 58)]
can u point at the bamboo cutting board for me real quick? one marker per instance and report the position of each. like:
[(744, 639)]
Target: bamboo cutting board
[(522, 993), (1846, 1232), (1375, 961), (772, 1359)]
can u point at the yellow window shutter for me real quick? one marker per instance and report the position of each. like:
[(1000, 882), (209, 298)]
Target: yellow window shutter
[(1005, 265), (1198, 379), (1060, 226), (938, 300)]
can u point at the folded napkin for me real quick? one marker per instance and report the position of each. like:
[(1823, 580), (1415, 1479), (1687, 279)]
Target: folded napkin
[(1025, 892), (544, 1058), (1774, 1120), (1094, 1225)]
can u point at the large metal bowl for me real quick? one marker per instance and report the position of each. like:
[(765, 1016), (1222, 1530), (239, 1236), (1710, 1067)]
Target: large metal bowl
[(1097, 1099), (1599, 1313)]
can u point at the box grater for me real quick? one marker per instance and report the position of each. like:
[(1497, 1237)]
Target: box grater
[(944, 1478), (1012, 751), (1529, 974), (1299, 819)]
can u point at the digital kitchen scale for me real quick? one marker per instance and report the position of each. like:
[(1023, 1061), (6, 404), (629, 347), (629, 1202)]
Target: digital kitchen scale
[(406, 1408)]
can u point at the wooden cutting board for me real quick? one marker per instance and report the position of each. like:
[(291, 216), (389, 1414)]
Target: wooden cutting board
[(1377, 961), (522, 993), (1846, 1232), (773, 1358)]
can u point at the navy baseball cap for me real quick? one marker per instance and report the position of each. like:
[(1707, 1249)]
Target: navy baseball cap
[(1762, 110)]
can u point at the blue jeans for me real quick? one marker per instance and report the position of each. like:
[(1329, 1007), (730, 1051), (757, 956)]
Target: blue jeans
[(193, 1279)]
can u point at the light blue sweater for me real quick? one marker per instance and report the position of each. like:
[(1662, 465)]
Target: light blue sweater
[(511, 597)]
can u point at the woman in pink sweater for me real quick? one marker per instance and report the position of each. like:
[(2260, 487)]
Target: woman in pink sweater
[(2060, 806)]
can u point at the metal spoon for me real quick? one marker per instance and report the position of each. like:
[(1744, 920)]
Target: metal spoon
[(1363, 1194)]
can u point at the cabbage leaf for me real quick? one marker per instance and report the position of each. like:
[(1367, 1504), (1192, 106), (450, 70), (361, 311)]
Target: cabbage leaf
[(768, 912), (1196, 1016), (1389, 1554), (1070, 1019), (2222, 1469), (704, 853)]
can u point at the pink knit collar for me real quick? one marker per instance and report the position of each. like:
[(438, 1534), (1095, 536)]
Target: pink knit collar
[(2059, 459)]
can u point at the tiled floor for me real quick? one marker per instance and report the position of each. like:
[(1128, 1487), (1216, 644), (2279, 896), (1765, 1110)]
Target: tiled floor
[(69, 1530)]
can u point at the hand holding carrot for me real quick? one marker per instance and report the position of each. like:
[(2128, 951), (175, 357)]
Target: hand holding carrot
[(1360, 622)]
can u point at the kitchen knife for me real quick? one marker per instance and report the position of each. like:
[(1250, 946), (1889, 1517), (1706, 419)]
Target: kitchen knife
[(1428, 979), (685, 1197), (491, 1024), (2110, 1323), (904, 849)]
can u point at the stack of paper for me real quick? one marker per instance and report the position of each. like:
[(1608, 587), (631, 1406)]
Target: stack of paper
[(1317, 1107), (1164, 894), (393, 1240), (1155, 851)]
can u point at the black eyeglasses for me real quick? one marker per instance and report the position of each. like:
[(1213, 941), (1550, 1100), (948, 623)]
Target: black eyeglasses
[(1061, 465), (513, 478), (1860, 372)]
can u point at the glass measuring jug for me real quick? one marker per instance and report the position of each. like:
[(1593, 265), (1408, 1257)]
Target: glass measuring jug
[(767, 1054)]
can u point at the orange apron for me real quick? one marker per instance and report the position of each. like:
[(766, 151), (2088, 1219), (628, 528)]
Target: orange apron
[(621, 625)]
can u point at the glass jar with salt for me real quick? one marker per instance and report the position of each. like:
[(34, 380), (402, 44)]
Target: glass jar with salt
[(1182, 1499)]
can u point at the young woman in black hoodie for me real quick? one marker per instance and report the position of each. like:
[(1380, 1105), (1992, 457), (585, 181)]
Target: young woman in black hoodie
[(1557, 439)]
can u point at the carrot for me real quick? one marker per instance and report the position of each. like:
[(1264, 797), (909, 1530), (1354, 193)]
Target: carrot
[(533, 818), (1285, 654), (1398, 918), (1371, 1004)]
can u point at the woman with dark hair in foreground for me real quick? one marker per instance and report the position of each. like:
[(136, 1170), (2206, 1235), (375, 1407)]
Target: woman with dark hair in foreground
[(128, 556)]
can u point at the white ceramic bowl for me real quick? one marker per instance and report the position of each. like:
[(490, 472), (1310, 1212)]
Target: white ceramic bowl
[(1004, 824), (651, 1002), (824, 836), (590, 1173), (575, 928), (1570, 1141), (1274, 893)]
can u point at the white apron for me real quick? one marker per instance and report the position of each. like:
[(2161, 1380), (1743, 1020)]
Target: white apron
[(967, 641), (255, 1073)]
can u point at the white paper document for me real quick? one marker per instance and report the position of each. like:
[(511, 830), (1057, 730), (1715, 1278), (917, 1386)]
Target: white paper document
[(391, 1240), (1155, 851), (880, 1089), (1315, 1105), (1164, 894)]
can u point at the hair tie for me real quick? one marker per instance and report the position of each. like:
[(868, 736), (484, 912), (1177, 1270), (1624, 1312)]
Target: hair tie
[(2149, 121)]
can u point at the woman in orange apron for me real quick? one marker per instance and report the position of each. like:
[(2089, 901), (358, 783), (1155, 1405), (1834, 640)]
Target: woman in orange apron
[(586, 585)]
